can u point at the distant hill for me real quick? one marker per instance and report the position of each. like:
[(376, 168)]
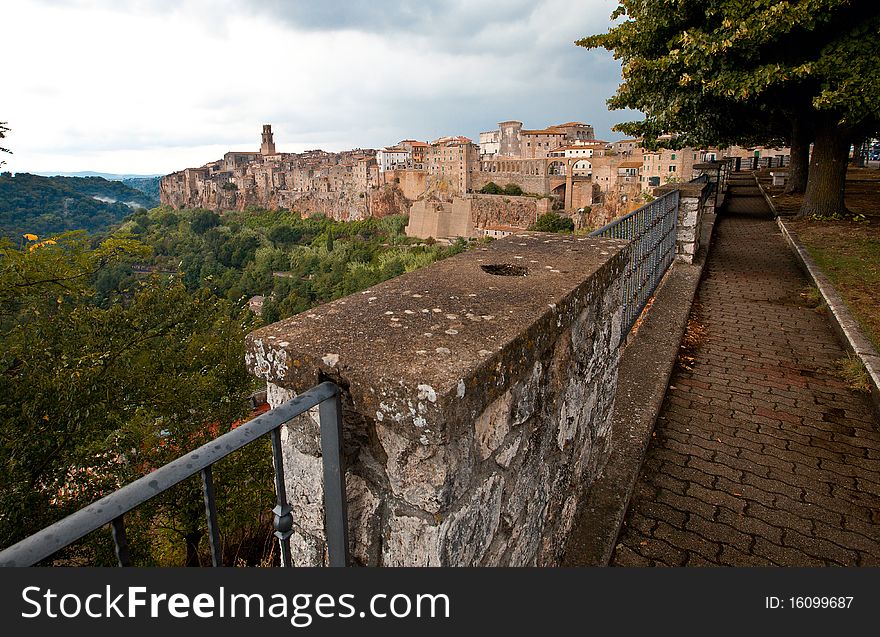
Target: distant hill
[(49, 205), (91, 173)]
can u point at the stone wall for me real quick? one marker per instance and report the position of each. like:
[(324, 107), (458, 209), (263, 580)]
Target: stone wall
[(465, 216), (476, 405), (440, 219), (503, 210), (412, 183), (537, 184)]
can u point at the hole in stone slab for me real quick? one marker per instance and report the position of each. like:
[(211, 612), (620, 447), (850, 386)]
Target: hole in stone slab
[(504, 269)]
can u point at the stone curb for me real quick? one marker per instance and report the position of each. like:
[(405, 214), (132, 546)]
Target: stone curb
[(845, 325), (645, 369)]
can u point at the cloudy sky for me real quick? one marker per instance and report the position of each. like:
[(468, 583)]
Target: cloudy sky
[(153, 86)]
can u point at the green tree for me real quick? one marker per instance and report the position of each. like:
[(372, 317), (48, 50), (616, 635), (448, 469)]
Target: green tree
[(94, 396), (204, 220), (552, 222), (725, 71), (491, 189), (513, 190)]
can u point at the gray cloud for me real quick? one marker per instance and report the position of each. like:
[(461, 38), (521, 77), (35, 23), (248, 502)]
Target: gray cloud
[(324, 73)]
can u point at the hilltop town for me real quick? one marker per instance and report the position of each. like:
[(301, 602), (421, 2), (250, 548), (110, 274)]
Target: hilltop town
[(446, 185)]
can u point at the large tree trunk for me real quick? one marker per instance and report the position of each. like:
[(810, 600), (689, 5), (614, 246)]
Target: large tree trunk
[(827, 177), (801, 135)]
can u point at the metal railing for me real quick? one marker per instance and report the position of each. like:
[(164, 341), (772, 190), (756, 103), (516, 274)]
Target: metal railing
[(652, 231), (111, 509)]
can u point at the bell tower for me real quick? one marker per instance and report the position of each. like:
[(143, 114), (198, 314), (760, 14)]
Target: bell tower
[(268, 146)]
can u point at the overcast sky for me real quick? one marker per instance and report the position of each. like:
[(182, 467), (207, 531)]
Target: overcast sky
[(153, 86)]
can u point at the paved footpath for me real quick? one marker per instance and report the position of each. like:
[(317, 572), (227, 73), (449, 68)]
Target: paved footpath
[(761, 455)]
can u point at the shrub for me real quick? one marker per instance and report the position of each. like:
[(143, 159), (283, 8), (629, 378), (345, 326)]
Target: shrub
[(552, 222)]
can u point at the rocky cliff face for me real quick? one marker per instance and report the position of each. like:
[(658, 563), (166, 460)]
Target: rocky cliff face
[(182, 191)]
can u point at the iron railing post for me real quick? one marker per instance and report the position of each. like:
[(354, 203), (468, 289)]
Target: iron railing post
[(330, 415), (283, 514)]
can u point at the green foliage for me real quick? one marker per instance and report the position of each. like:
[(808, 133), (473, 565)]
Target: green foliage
[(204, 220), (117, 356), (51, 205), (95, 394), (512, 190), (552, 222), (295, 263), (725, 71)]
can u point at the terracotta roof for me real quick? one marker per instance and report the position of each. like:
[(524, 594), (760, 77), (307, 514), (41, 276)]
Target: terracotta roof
[(630, 164), (567, 124), (542, 131)]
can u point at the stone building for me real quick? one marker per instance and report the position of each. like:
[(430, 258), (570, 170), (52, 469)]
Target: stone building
[(417, 150), (664, 165), (451, 162), (393, 158)]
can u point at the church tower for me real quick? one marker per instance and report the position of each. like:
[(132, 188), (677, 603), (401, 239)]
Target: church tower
[(268, 146)]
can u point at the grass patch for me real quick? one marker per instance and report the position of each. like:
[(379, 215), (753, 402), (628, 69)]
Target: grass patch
[(851, 259), (852, 371), (811, 296)]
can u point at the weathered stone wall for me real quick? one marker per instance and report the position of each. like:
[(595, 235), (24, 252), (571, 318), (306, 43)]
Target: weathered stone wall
[(439, 219), (465, 216), (503, 210), (412, 183), (477, 407)]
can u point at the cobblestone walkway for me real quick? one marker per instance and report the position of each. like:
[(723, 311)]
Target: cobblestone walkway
[(761, 455)]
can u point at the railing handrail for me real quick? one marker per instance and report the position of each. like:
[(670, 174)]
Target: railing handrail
[(651, 231), (112, 507), (620, 220)]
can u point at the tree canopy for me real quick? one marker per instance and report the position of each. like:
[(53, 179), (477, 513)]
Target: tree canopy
[(718, 72)]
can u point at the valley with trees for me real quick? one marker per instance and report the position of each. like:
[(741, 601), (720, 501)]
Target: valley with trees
[(51, 205), (121, 350)]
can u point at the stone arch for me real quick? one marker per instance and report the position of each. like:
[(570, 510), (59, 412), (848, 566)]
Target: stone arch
[(557, 167)]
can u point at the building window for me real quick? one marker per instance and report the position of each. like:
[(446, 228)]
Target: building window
[(672, 169), (673, 156)]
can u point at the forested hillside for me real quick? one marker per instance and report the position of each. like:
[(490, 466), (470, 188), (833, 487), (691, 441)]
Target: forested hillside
[(50, 205), (295, 263), (118, 355), (147, 185)]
